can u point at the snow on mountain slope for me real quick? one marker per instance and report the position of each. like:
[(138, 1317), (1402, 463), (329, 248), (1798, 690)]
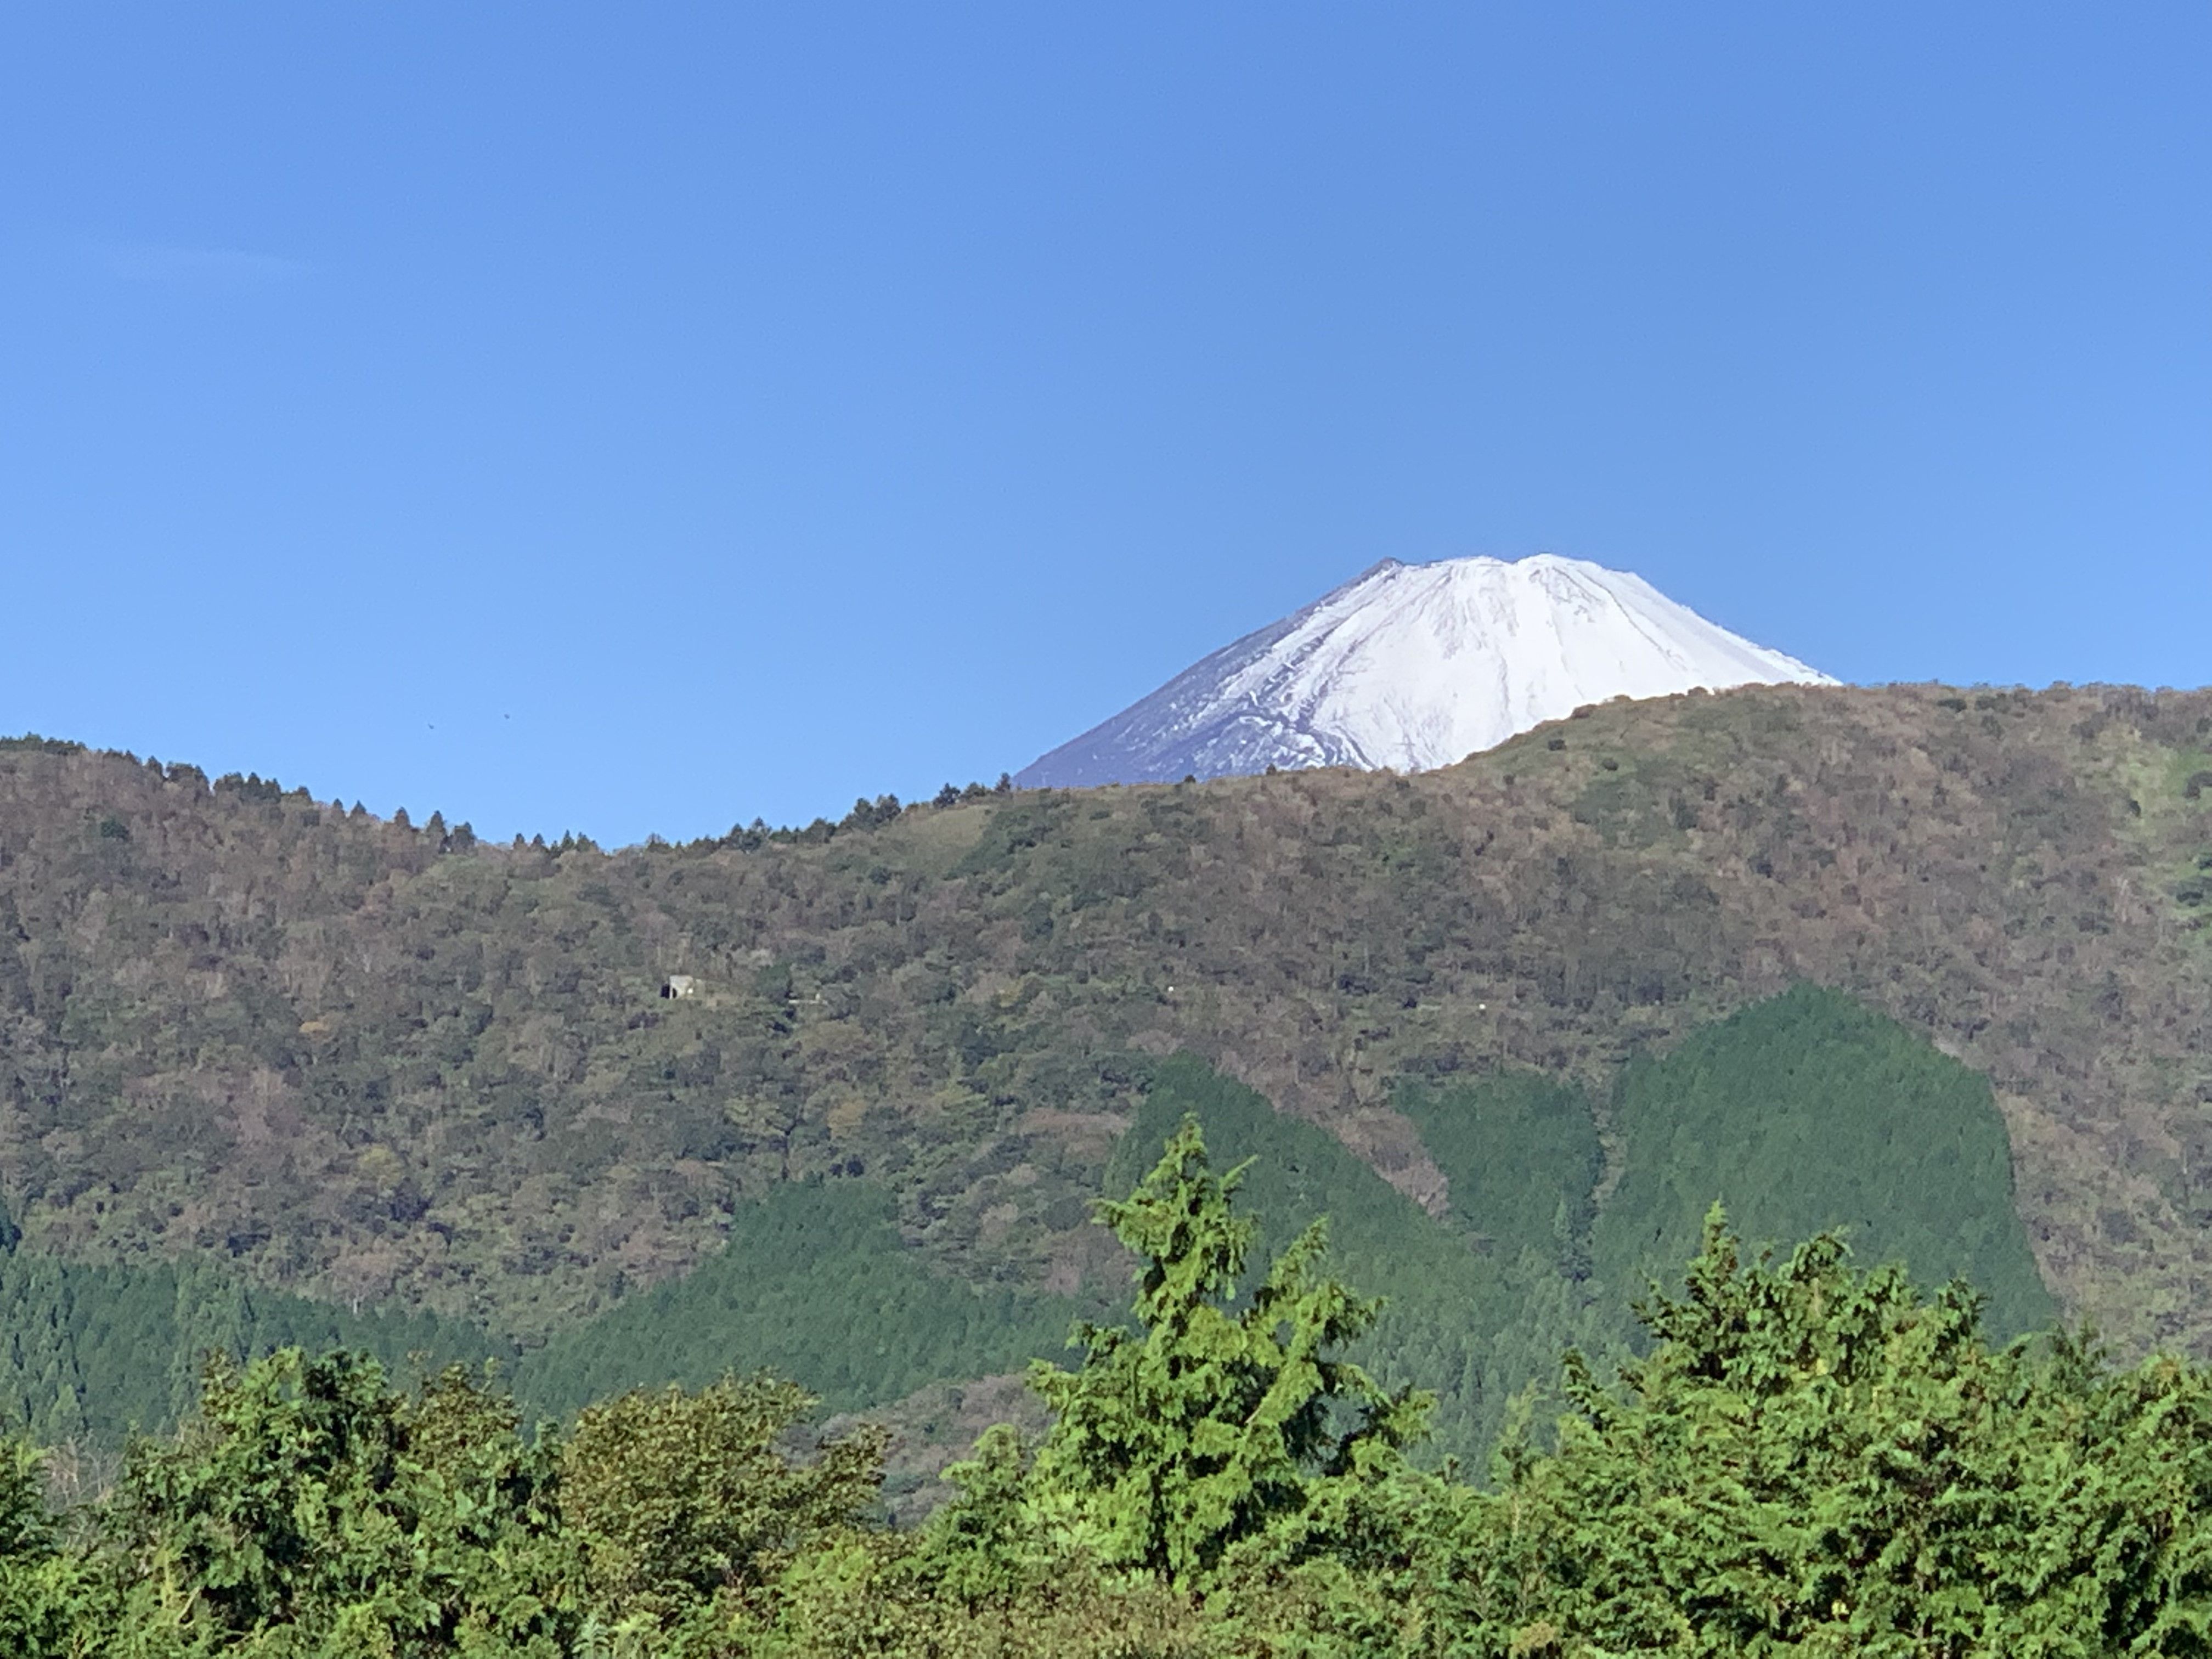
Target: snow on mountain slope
[(1413, 666)]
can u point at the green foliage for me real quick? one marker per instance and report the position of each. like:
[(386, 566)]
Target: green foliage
[(671, 1497), (1474, 1324), (327, 1055), (1809, 1112), (1208, 1426), (986, 1544), (1521, 1153), (43, 1588), (308, 1503), (1809, 1460), (814, 1282), (1818, 1460), (89, 1354), (25, 1529)]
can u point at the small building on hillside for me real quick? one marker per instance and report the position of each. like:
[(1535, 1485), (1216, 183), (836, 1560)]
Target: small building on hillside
[(680, 985)]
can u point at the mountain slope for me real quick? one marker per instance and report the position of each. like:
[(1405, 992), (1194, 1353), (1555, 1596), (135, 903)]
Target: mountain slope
[(1807, 1112), (1415, 666), (366, 1061)]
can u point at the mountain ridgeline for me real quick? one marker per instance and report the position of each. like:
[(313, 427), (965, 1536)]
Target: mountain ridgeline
[(1927, 964)]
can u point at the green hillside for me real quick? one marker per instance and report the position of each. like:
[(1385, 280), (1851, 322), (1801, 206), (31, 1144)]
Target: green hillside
[(1800, 1114), (89, 1354), (814, 1284), (382, 1064), (1445, 1305), (1523, 1154), (1809, 1113)]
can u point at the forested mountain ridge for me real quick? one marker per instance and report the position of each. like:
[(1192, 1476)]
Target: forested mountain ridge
[(366, 1060)]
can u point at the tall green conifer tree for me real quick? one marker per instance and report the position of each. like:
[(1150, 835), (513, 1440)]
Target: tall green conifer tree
[(1211, 1423)]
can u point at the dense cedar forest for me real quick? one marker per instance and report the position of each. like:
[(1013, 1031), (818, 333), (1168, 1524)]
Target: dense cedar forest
[(1805, 1458)]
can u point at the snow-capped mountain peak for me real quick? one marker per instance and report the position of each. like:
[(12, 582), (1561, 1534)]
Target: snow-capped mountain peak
[(1413, 666)]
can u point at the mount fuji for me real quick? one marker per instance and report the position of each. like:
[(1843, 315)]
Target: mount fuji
[(1411, 666)]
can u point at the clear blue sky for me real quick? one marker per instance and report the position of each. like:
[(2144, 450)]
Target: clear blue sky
[(642, 417)]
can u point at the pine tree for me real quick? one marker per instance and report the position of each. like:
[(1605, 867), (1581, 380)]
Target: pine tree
[(1211, 1424)]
